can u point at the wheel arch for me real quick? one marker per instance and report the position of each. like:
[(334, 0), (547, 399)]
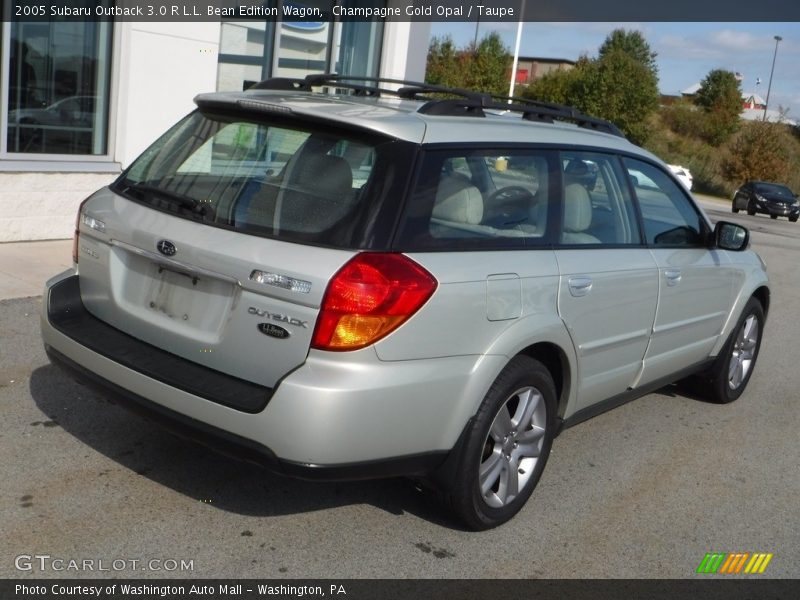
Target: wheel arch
[(762, 295), (557, 363), (760, 292)]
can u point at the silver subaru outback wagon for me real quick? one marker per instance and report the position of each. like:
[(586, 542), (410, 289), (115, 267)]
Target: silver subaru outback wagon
[(356, 278)]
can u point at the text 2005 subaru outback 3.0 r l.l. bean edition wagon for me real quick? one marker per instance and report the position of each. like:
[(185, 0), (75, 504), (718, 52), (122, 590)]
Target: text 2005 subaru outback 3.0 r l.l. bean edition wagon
[(343, 281)]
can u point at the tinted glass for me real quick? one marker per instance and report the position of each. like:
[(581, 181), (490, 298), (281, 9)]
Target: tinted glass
[(596, 205), (774, 188), (480, 198), (248, 52), (670, 218), (282, 180), (58, 87), (359, 48)]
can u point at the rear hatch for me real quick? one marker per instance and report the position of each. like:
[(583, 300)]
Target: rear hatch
[(218, 243)]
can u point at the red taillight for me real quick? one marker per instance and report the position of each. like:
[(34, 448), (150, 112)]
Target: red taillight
[(75, 236), (370, 296)]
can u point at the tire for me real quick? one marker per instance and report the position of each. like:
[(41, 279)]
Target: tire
[(751, 208), (498, 456), (773, 216), (793, 219), (737, 359), (733, 207)]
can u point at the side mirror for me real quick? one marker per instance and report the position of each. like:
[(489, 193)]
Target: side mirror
[(730, 236)]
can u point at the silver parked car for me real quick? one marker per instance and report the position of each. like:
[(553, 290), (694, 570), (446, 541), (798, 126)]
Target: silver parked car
[(342, 280)]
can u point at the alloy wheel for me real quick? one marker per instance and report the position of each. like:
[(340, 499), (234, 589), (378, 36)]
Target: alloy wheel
[(744, 349), (512, 447)]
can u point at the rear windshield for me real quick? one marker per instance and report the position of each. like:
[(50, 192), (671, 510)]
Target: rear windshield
[(288, 179)]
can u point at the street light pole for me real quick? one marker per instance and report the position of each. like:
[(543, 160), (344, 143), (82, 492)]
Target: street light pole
[(769, 87), (515, 62)]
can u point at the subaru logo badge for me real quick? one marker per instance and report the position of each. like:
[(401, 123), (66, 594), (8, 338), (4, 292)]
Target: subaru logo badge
[(166, 248)]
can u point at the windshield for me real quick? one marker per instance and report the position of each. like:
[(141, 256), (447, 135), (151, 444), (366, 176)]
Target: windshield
[(774, 188), (286, 179)]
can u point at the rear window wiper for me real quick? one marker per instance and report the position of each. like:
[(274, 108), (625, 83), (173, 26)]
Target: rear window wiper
[(193, 205)]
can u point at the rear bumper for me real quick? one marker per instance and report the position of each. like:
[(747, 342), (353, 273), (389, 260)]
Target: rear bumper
[(338, 416), (239, 447), (67, 314)]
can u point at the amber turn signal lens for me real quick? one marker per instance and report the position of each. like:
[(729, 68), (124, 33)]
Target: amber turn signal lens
[(368, 298)]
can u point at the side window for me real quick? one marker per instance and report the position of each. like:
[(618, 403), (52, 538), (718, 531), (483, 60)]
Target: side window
[(669, 217), (480, 199), (596, 206)]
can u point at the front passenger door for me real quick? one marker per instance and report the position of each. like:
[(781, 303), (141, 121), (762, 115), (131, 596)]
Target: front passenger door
[(695, 282)]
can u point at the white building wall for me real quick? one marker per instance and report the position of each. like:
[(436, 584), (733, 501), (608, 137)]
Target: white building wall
[(42, 206), (163, 67), (405, 50)]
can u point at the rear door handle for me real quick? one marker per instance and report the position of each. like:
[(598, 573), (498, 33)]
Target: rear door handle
[(580, 286), (673, 276)]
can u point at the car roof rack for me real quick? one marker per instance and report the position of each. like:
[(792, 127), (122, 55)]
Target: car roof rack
[(360, 86), (451, 101), (547, 112)]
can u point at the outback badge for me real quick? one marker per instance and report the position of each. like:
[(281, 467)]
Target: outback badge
[(273, 331)]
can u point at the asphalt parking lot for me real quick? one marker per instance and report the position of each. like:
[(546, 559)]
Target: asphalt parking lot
[(642, 491)]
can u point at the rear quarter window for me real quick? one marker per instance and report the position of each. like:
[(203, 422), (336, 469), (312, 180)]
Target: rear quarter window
[(480, 198)]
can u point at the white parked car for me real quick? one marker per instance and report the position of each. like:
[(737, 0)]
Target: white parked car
[(683, 174)]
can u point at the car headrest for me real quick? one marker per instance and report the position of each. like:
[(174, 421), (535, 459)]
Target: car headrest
[(577, 208), (324, 175), (457, 200)]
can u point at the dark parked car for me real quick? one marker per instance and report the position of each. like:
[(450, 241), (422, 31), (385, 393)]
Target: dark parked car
[(773, 199)]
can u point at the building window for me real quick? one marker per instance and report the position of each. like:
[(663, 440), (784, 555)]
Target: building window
[(245, 51), (251, 51), (58, 88), (358, 52)]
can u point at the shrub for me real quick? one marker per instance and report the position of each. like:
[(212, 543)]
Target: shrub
[(484, 67), (761, 151)]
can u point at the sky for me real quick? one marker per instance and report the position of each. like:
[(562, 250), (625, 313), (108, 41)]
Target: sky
[(686, 51)]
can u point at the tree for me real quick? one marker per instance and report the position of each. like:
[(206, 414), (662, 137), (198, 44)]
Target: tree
[(616, 87), (442, 65), (485, 67), (624, 91), (720, 97), (488, 67), (631, 43)]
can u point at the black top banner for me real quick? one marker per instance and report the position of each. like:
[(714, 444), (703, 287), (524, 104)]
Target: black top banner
[(316, 11)]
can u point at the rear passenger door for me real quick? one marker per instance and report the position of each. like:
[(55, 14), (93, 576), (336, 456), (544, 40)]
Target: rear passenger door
[(608, 285), (695, 281)]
